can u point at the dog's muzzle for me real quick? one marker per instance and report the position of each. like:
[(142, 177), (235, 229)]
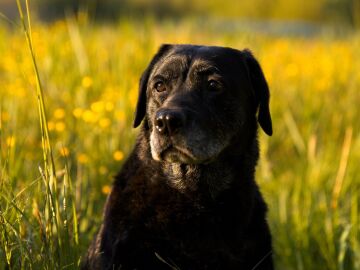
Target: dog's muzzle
[(169, 126), (169, 122)]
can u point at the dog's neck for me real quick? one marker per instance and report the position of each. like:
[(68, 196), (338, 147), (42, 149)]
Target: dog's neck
[(235, 166)]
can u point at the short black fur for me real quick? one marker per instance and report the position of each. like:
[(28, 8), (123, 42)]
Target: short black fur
[(197, 214)]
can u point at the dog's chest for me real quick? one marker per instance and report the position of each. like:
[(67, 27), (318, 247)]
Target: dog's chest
[(162, 210)]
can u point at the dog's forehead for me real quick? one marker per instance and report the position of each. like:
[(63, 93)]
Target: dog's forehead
[(198, 58)]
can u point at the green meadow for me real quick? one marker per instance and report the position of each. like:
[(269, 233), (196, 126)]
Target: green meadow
[(65, 130)]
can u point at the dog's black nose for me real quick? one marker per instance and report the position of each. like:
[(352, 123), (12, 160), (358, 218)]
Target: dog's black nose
[(168, 122)]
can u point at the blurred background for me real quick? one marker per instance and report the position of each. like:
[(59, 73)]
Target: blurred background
[(333, 12), (55, 175)]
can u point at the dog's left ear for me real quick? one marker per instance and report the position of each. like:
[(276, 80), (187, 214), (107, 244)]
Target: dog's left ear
[(141, 103), (261, 91)]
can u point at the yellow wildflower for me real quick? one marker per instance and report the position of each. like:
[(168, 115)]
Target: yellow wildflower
[(59, 113), (97, 106), (87, 82), (51, 125), (106, 189), (118, 155), (104, 122), (78, 112), (60, 126), (83, 158), (109, 106), (89, 117)]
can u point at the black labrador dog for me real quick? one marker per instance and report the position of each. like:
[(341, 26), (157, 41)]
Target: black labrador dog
[(186, 197)]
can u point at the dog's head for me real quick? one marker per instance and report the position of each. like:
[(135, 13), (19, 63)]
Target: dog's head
[(197, 99)]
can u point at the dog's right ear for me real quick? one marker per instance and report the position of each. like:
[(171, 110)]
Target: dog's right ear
[(141, 103)]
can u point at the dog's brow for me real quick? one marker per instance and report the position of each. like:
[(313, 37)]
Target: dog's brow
[(170, 67), (206, 70), (162, 77), (175, 60)]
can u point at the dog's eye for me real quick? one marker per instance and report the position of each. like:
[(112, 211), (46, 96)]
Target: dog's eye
[(214, 85), (160, 86)]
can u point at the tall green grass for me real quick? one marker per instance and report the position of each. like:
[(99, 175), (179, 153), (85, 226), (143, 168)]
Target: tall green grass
[(79, 81), (57, 242)]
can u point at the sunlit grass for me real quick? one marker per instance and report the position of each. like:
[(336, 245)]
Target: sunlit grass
[(308, 171)]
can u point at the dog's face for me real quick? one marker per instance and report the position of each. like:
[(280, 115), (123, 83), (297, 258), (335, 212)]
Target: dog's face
[(197, 99)]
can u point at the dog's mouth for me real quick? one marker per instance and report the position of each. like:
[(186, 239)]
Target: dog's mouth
[(175, 154), (182, 151)]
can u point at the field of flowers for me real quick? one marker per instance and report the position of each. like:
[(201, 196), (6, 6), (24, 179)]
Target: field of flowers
[(309, 169)]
